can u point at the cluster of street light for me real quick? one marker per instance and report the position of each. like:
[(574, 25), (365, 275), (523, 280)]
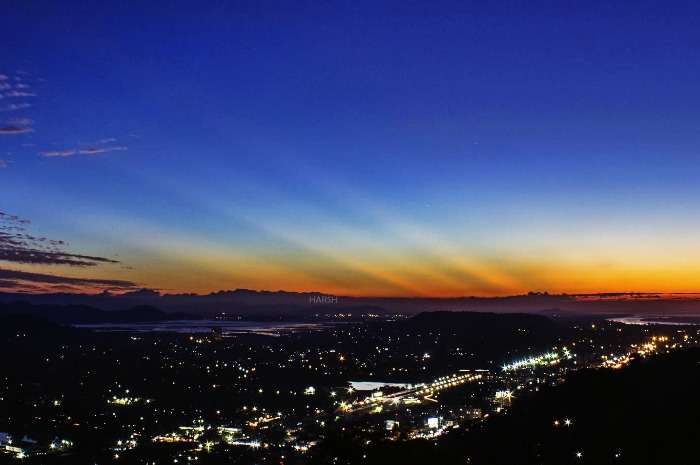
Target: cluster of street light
[(546, 359)]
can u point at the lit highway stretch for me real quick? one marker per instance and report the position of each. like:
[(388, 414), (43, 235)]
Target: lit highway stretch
[(376, 402)]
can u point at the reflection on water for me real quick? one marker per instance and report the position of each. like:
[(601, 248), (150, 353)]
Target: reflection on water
[(675, 320), (374, 385), (205, 326)]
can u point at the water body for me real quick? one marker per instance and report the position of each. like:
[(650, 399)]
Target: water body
[(206, 326), (674, 320)]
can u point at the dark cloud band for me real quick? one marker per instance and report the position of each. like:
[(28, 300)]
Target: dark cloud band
[(19, 247), (12, 278)]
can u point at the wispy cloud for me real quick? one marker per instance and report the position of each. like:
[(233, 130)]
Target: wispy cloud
[(14, 88), (22, 121), (16, 220), (9, 284), (27, 255), (17, 126), (17, 88), (19, 93), (12, 129), (17, 246), (15, 106), (58, 153), (3, 163), (97, 148)]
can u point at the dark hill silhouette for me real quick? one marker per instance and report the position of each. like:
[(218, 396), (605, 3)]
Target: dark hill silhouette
[(13, 324), (491, 333), (480, 321), (71, 314)]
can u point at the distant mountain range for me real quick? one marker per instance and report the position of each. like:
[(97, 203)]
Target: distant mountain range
[(83, 314), (247, 302)]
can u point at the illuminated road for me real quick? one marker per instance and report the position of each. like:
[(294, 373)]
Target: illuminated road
[(416, 394)]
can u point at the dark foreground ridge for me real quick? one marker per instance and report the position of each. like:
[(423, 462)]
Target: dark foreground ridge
[(646, 413)]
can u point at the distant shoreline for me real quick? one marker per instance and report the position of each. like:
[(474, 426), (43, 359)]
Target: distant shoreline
[(203, 327), (673, 320)]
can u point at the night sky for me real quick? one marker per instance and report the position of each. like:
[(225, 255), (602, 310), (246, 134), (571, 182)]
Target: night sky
[(357, 148)]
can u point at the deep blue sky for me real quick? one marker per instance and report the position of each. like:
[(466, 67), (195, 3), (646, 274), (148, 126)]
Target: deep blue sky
[(360, 147)]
